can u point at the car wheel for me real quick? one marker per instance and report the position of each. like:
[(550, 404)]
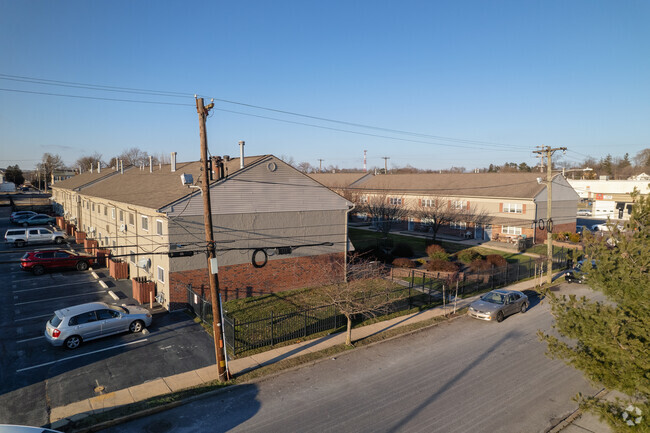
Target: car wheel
[(500, 316), (59, 241), (19, 244), (524, 307), (136, 326), (38, 270), (73, 342), (82, 266)]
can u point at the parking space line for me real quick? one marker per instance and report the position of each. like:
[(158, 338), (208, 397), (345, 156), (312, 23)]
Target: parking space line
[(60, 297), (35, 278), (33, 317), (57, 285), (80, 355), (30, 339)]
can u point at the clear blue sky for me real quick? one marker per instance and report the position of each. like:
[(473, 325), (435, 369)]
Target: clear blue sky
[(518, 73)]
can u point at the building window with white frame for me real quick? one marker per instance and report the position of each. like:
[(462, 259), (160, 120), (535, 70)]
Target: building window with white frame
[(121, 216), (112, 213), (395, 201), (513, 208), (459, 225), (161, 275), (511, 230), (428, 202), (131, 219), (145, 223), (132, 256), (457, 204), (159, 227)]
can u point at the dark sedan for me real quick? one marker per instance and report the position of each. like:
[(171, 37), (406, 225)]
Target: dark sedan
[(498, 304), (39, 261)]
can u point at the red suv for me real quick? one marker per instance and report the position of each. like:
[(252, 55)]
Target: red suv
[(39, 261)]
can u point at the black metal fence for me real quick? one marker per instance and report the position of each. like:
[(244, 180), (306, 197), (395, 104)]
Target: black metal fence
[(419, 288)]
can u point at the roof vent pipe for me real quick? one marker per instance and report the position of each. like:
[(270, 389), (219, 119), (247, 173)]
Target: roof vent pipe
[(121, 166), (99, 167), (173, 162), (241, 154), (150, 164), (91, 168)]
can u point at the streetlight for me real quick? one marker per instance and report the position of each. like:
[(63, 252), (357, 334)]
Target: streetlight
[(575, 169)]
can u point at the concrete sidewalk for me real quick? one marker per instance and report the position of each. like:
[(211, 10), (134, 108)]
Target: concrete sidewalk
[(62, 416)]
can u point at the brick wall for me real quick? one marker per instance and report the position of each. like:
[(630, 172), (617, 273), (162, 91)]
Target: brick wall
[(244, 280), (557, 228)]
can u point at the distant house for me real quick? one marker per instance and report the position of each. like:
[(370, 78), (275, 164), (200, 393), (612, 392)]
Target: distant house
[(275, 228), (510, 204), (4, 185)]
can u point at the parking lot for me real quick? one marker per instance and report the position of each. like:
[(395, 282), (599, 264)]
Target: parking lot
[(34, 376)]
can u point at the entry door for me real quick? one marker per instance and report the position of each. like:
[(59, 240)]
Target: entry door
[(478, 232), (487, 234), (411, 225)]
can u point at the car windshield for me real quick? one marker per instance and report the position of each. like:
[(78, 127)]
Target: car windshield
[(494, 298), (119, 308), (55, 321)]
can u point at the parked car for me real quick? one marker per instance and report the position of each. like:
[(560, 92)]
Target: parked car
[(20, 214), (71, 326), (584, 212), (576, 274), (498, 304), (582, 230), (39, 261), (35, 220), (22, 237), (605, 228)]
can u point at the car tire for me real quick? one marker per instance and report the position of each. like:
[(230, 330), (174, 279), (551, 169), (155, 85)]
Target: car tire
[(524, 307), (59, 240), (82, 266), (72, 342), (38, 270), (19, 244), (500, 316), (136, 326)]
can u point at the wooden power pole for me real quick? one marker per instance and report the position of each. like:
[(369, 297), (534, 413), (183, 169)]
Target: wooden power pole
[(209, 238), (549, 200)]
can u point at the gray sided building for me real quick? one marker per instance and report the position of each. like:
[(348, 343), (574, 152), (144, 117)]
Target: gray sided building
[(275, 228)]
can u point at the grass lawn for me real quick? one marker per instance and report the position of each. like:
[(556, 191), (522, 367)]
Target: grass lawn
[(362, 238), (542, 249)]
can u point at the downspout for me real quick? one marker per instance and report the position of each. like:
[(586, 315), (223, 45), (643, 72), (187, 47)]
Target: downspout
[(345, 253)]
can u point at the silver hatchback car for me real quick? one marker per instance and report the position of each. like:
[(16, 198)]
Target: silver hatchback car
[(71, 326)]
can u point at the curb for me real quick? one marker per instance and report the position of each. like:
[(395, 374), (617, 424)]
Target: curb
[(574, 415)]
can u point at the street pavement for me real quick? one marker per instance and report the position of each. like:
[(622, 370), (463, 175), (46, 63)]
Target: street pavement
[(461, 375)]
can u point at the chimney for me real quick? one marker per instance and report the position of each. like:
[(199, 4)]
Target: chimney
[(121, 167), (150, 164), (173, 162), (241, 154), (99, 167), (91, 168)]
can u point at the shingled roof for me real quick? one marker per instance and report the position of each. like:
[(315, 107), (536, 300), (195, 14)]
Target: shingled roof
[(498, 185), (140, 187), (337, 180)]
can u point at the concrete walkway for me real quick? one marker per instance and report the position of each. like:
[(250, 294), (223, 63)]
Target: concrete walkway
[(62, 416)]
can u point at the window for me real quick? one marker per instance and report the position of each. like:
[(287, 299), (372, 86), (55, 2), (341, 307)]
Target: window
[(396, 201), (131, 219), (107, 314), (461, 225), (428, 202), (512, 208), (83, 318), (132, 256), (112, 213), (161, 275), (159, 227), (106, 240), (93, 207), (145, 223), (364, 199), (105, 210), (121, 216), (457, 204), (510, 230)]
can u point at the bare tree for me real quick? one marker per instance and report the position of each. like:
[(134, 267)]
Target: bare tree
[(132, 156), (364, 294), (386, 210), (305, 167), (436, 212), (86, 162), (48, 164)]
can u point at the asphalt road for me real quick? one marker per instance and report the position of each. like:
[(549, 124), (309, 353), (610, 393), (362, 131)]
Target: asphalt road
[(34, 376), (464, 375)]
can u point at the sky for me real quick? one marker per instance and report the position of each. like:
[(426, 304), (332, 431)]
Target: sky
[(431, 84)]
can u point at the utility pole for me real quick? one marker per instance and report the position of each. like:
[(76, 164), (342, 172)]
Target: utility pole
[(209, 238), (385, 158), (320, 165), (549, 199)]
